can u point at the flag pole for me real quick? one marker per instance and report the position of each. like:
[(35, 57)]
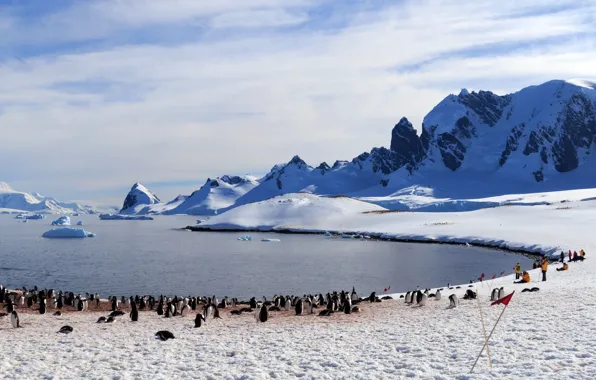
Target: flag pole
[(490, 365), (489, 335)]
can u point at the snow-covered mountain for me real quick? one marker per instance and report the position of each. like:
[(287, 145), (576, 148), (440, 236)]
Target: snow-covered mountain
[(472, 145), (216, 194), (140, 200), (18, 201)]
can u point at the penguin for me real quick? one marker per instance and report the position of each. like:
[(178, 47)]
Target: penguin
[(325, 313), (116, 313), (373, 297), (65, 329), (263, 314), (9, 306), (299, 307), (80, 305), (101, 320), (185, 310), (423, 299), (438, 295), (14, 319), (494, 295), (173, 310), (58, 313), (309, 305), (501, 293), (354, 296), (216, 313), (30, 302), (110, 319), (199, 319), (134, 313), (164, 335), (453, 301), (114, 303), (160, 307), (407, 298), (253, 303), (168, 312), (347, 308), (288, 303), (42, 306), (355, 309)]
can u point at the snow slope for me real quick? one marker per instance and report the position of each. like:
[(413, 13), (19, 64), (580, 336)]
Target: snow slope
[(289, 210), (17, 201), (217, 194)]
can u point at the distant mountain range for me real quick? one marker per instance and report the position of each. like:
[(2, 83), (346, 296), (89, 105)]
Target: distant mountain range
[(13, 201), (471, 145)]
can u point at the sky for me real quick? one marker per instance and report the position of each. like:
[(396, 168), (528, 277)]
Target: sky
[(98, 94)]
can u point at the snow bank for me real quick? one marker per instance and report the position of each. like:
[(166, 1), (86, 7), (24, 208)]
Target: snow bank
[(124, 217), (67, 233), (62, 221), (289, 210)]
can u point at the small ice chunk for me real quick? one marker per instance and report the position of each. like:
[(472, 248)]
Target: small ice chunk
[(66, 232), (270, 240), (62, 221), (80, 223)]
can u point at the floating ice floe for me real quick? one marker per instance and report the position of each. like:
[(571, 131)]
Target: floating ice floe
[(80, 223), (327, 233), (124, 217), (67, 232), (30, 216), (245, 238), (271, 240), (62, 221)]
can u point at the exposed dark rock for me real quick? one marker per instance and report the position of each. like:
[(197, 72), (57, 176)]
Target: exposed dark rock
[(538, 175), (564, 155), (512, 143), (452, 150), (488, 106), (406, 143)]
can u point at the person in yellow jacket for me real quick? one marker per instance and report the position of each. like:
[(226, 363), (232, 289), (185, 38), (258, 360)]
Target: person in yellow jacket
[(564, 267), (518, 271), (525, 278), (544, 267)]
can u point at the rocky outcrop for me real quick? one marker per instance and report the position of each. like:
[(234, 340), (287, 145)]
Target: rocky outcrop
[(406, 145), (138, 195)]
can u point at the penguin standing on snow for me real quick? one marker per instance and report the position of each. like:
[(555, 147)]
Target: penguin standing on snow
[(263, 314), (423, 299), (453, 301), (438, 295), (407, 298), (299, 307), (42, 306), (185, 310), (373, 297), (9, 305), (114, 303), (14, 319), (134, 313), (354, 295), (501, 293), (199, 319), (494, 295)]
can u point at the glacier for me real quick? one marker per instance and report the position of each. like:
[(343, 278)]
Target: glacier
[(67, 232)]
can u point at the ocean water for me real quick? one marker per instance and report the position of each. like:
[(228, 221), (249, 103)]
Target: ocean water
[(158, 257)]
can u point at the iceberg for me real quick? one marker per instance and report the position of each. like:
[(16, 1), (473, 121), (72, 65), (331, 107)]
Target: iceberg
[(80, 223), (62, 221), (67, 232), (124, 217), (30, 216), (245, 238), (271, 240)]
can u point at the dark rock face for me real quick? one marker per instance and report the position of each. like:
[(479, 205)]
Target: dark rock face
[(232, 180), (488, 106), (512, 142), (406, 144), (323, 167), (129, 201), (565, 155), (452, 150)]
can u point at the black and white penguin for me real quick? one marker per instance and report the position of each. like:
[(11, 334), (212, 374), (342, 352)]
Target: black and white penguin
[(168, 312), (438, 295), (355, 309), (101, 320), (185, 310), (42, 306), (299, 307), (110, 319), (423, 299), (9, 305), (407, 298), (263, 314), (325, 313), (114, 303), (347, 308), (14, 319), (164, 335), (354, 296), (494, 295), (199, 319), (453, 301), (253, 303), (80, 305), (373, 297), (134, 313), (501, 293), (65, 329), (418, 296)]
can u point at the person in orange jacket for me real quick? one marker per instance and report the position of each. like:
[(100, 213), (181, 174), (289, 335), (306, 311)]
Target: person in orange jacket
[(525, 279), (564, 267), (544, 268)]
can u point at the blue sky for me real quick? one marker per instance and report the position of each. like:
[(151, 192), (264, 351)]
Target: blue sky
[(96, 95)]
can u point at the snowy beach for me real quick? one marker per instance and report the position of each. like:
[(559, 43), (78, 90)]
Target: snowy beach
[(545, 334)]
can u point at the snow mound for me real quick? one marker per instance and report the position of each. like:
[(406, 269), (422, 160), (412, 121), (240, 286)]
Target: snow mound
[(62, 221), (124, 217), (288, 210), (67, 232)]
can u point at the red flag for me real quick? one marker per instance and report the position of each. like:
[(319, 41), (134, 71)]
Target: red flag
[(502, 273), (494, 275), (505, 300)]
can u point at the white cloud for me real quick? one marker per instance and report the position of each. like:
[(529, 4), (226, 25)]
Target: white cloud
[(241, 102)]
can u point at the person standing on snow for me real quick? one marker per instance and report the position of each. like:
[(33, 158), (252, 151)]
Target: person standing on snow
[(544, 268), (562, 256), (518, 271)]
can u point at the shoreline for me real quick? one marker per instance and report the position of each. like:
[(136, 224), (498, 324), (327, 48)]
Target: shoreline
[(374, 236)]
